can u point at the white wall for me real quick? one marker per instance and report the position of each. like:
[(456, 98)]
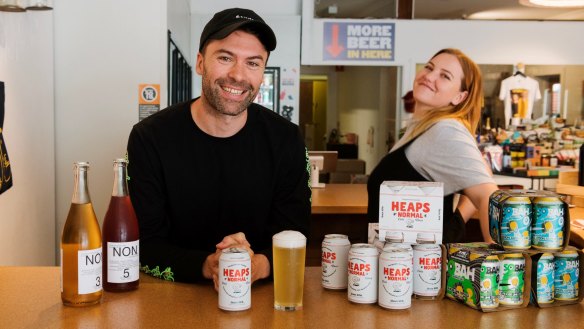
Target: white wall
[(261, 7), (103, 51), (27, 210), (179, 23)]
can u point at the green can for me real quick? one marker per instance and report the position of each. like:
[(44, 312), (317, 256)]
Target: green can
[(545, 279), (547, 231), (515, 223), (567, 269), (512, 282), (489, 291)]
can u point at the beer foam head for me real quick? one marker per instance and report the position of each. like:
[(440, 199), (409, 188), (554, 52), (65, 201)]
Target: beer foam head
[(289, 239)]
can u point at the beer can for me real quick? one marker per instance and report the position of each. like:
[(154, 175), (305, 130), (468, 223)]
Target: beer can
[(512, 284), (545, 279), (515, 224), (566, 271), (489, 290), (427, 270), (394, 237), (234, 280), (362, 273), (409, 249), (547, 230), (335, 254), (395, 276)]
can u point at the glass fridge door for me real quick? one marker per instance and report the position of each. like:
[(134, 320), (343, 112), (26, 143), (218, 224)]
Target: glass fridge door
[(270, 89)]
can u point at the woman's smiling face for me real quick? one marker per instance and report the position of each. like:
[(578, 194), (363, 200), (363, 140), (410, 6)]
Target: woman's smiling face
[(438, 84)]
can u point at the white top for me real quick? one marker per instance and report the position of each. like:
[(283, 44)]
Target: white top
[(517, 83), (447, 153)]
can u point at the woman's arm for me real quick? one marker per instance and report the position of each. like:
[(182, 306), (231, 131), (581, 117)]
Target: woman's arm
[(479, 196)]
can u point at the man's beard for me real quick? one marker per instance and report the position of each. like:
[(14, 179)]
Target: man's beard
[(213, 92)]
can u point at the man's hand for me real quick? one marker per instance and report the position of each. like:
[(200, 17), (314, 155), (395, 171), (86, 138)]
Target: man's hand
[(233, 240), (260, 266)]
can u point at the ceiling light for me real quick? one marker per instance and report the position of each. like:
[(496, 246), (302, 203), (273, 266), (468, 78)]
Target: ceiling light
[(11, 6), (39, 5), (553, 3)]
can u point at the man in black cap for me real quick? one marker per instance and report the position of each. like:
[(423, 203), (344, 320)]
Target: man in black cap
[(218, 171)]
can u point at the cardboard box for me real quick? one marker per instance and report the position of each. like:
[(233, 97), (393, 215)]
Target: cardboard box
[(463, 279), (497, 204), (535, 257), (411, 208)]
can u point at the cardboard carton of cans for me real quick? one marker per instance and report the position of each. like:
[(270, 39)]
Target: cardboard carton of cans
[(486, 278), (529, 220), (557, 278), (409, 208)]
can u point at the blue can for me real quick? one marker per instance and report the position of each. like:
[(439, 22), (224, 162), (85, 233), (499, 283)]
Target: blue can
[(547, 231), (545, 279), (567, 268), (515, 224)]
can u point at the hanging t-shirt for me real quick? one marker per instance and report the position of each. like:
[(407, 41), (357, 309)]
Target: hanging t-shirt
[(519, 93), (5, 173)]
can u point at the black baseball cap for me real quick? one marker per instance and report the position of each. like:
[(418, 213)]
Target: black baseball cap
[(229, 20)]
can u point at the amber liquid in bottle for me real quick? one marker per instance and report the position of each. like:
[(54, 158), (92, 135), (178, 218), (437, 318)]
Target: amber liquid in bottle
[(121, 254), (81, 282)]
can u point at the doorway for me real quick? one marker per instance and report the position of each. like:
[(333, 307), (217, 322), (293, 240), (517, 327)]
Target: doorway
[(313, 110)]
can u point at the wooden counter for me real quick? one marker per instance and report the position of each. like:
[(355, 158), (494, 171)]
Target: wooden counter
[(339, 209), (340, 199), (31, 299)]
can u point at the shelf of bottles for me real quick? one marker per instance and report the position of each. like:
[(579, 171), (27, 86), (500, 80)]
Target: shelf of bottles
[(532, 147)]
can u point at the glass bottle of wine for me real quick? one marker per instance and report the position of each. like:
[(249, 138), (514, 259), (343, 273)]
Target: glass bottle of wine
[(121, 253), (81, 263)]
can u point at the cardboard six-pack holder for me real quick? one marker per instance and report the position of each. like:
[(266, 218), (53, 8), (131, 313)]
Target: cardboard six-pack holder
[(411, 208)]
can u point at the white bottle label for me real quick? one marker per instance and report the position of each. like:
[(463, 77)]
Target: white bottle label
[(123, 261), (89, 271)]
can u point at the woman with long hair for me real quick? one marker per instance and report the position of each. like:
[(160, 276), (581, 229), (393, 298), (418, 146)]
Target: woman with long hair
[(438, 144)]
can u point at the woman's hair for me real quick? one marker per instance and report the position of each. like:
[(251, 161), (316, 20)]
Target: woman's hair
[(468, 112)]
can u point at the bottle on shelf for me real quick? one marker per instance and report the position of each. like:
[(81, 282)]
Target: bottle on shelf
[(121, 249), (507, 158), (81, 258)]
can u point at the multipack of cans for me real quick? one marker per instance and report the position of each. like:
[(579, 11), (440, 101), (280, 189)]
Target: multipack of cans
[(489, 278), (486, 278), (556, 278), (537, 223), (389, 275), (529, 219)]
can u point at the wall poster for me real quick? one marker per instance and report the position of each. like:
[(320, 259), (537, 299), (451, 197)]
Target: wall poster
[(149, 100)]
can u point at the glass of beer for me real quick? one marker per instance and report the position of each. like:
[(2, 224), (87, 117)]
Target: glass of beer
[(289, 250)]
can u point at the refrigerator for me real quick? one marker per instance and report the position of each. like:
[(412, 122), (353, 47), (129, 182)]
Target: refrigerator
[(270, 89)]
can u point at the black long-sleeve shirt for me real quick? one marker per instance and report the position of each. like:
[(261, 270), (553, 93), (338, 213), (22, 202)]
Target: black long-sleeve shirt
[(190, 189)]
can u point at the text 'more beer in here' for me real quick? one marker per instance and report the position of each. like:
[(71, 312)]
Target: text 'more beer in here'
[(289, 250)]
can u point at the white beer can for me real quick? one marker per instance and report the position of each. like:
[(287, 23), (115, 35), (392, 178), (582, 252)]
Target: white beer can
[(427, 270), (335, 254), (234, 280), (362, 273), (409, 249), (395, 276)]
